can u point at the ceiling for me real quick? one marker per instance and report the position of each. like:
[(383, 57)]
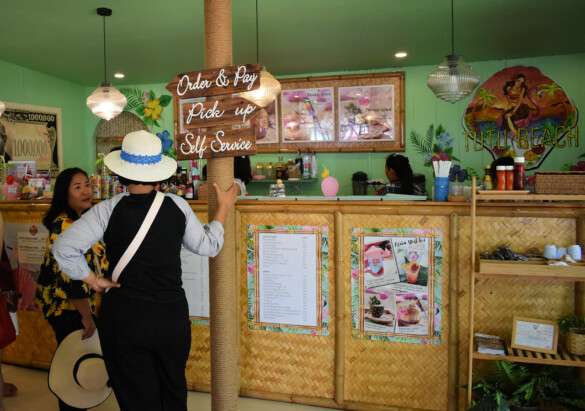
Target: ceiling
[(151, 41)]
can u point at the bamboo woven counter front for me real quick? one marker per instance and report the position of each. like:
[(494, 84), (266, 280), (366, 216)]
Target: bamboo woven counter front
[(339, 371)]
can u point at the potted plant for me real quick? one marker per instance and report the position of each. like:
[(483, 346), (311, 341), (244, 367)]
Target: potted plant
[(573, 327), (515, 386)]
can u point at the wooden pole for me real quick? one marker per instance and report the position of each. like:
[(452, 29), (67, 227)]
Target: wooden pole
[(471, 295), (453, 376), (339, 312), (222, 275)]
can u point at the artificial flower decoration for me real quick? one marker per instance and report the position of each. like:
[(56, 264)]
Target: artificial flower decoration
[(146, 104), (167, 143), (456, 173), (325, 173)]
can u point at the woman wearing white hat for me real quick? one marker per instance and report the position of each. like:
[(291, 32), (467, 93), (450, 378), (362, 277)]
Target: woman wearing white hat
[(143, 322)]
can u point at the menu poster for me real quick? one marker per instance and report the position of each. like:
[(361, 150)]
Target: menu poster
[(25, 245), (287, 279), (396, 284), (196, 285)]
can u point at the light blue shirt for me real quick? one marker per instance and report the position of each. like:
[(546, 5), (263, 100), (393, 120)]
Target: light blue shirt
[(69, 248)]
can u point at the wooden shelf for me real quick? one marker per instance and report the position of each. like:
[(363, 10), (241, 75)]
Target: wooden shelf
[(529, 197), (535, 269), (516, 355), (306, 180)]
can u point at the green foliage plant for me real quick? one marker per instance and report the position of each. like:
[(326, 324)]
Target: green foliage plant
[(527, 385)]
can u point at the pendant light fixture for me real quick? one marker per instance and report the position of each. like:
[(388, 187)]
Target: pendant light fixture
[(106, 101), (453, 79), (2, 108), (269, 86)]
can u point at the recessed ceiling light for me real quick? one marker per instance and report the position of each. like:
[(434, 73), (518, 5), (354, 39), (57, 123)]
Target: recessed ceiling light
[(401, 54), (119, 75)]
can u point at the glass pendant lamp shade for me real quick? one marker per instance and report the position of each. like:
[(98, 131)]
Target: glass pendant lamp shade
[(268, 91), (2, 108), (453, 79), (106, 101)]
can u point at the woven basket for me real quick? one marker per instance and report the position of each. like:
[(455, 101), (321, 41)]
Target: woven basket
[(576, 343), (559, 182)]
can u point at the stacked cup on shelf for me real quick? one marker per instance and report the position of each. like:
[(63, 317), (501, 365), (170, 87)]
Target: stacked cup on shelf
[(441, 169)]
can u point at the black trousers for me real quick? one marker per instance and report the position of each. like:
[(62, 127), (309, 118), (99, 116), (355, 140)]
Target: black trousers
[(145, 347)]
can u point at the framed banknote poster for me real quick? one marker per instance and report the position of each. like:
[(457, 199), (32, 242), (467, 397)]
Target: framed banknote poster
[(32, 133)]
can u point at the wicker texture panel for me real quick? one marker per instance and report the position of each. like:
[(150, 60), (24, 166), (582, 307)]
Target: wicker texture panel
[(295, 364), (502, 299), (464, 270), (394, 374), (35, 343), (198, 370)]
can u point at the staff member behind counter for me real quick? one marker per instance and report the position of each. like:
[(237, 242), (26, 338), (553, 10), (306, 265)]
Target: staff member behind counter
[(400, 177)]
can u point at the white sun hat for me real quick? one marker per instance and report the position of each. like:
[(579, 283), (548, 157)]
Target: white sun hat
[(141, 158), (78, 373)]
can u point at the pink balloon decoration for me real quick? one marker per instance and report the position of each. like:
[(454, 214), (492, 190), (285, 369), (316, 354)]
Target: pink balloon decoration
[(329, 186)]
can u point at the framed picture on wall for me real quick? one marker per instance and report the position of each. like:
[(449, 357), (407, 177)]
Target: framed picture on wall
[(308, 115), (366, 113), (30, 132), (354, 113)]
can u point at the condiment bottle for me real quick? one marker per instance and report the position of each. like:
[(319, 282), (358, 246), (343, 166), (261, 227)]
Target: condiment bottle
[(306, 165), (259, 170), (487, 179), (501, 170), (270, 172), (280, 170), (509, 177), (518, 173)]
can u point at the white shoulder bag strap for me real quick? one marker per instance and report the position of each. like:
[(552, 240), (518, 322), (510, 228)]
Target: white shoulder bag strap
[(131, 250)]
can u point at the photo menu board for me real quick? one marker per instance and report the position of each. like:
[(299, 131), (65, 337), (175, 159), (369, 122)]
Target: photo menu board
[(287, 279), (396, 284)]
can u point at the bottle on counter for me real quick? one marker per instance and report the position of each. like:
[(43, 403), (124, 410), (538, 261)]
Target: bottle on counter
[(96, 186), (299, 160), (195, 178), (306, 165), (280, 169), (518, 173), (182, 187), (314, 166), (259, 170), (270, 171), (501, 170), (509, 178), (487, 179)]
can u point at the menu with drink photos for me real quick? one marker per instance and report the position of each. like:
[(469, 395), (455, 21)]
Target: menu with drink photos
[(396, 284)]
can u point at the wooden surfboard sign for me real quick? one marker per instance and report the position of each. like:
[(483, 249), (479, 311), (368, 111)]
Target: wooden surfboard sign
[(215, 144)]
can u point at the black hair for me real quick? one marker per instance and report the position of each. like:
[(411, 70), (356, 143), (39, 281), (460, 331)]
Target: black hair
[(242, 169), (510, 83), (401, 167), (502, 161), (60, 201)]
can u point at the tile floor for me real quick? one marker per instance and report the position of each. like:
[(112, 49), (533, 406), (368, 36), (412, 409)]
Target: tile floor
[(34, 395)]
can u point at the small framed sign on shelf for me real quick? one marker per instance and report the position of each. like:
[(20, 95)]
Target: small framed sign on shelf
[(535, 335)]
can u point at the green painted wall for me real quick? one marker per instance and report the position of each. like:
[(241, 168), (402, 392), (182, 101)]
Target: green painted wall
[(422, 109)]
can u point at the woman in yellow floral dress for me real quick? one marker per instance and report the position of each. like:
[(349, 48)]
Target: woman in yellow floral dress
[(68, 305)]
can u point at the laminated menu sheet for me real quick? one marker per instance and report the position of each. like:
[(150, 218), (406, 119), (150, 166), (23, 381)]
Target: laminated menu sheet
[(287, 286)]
